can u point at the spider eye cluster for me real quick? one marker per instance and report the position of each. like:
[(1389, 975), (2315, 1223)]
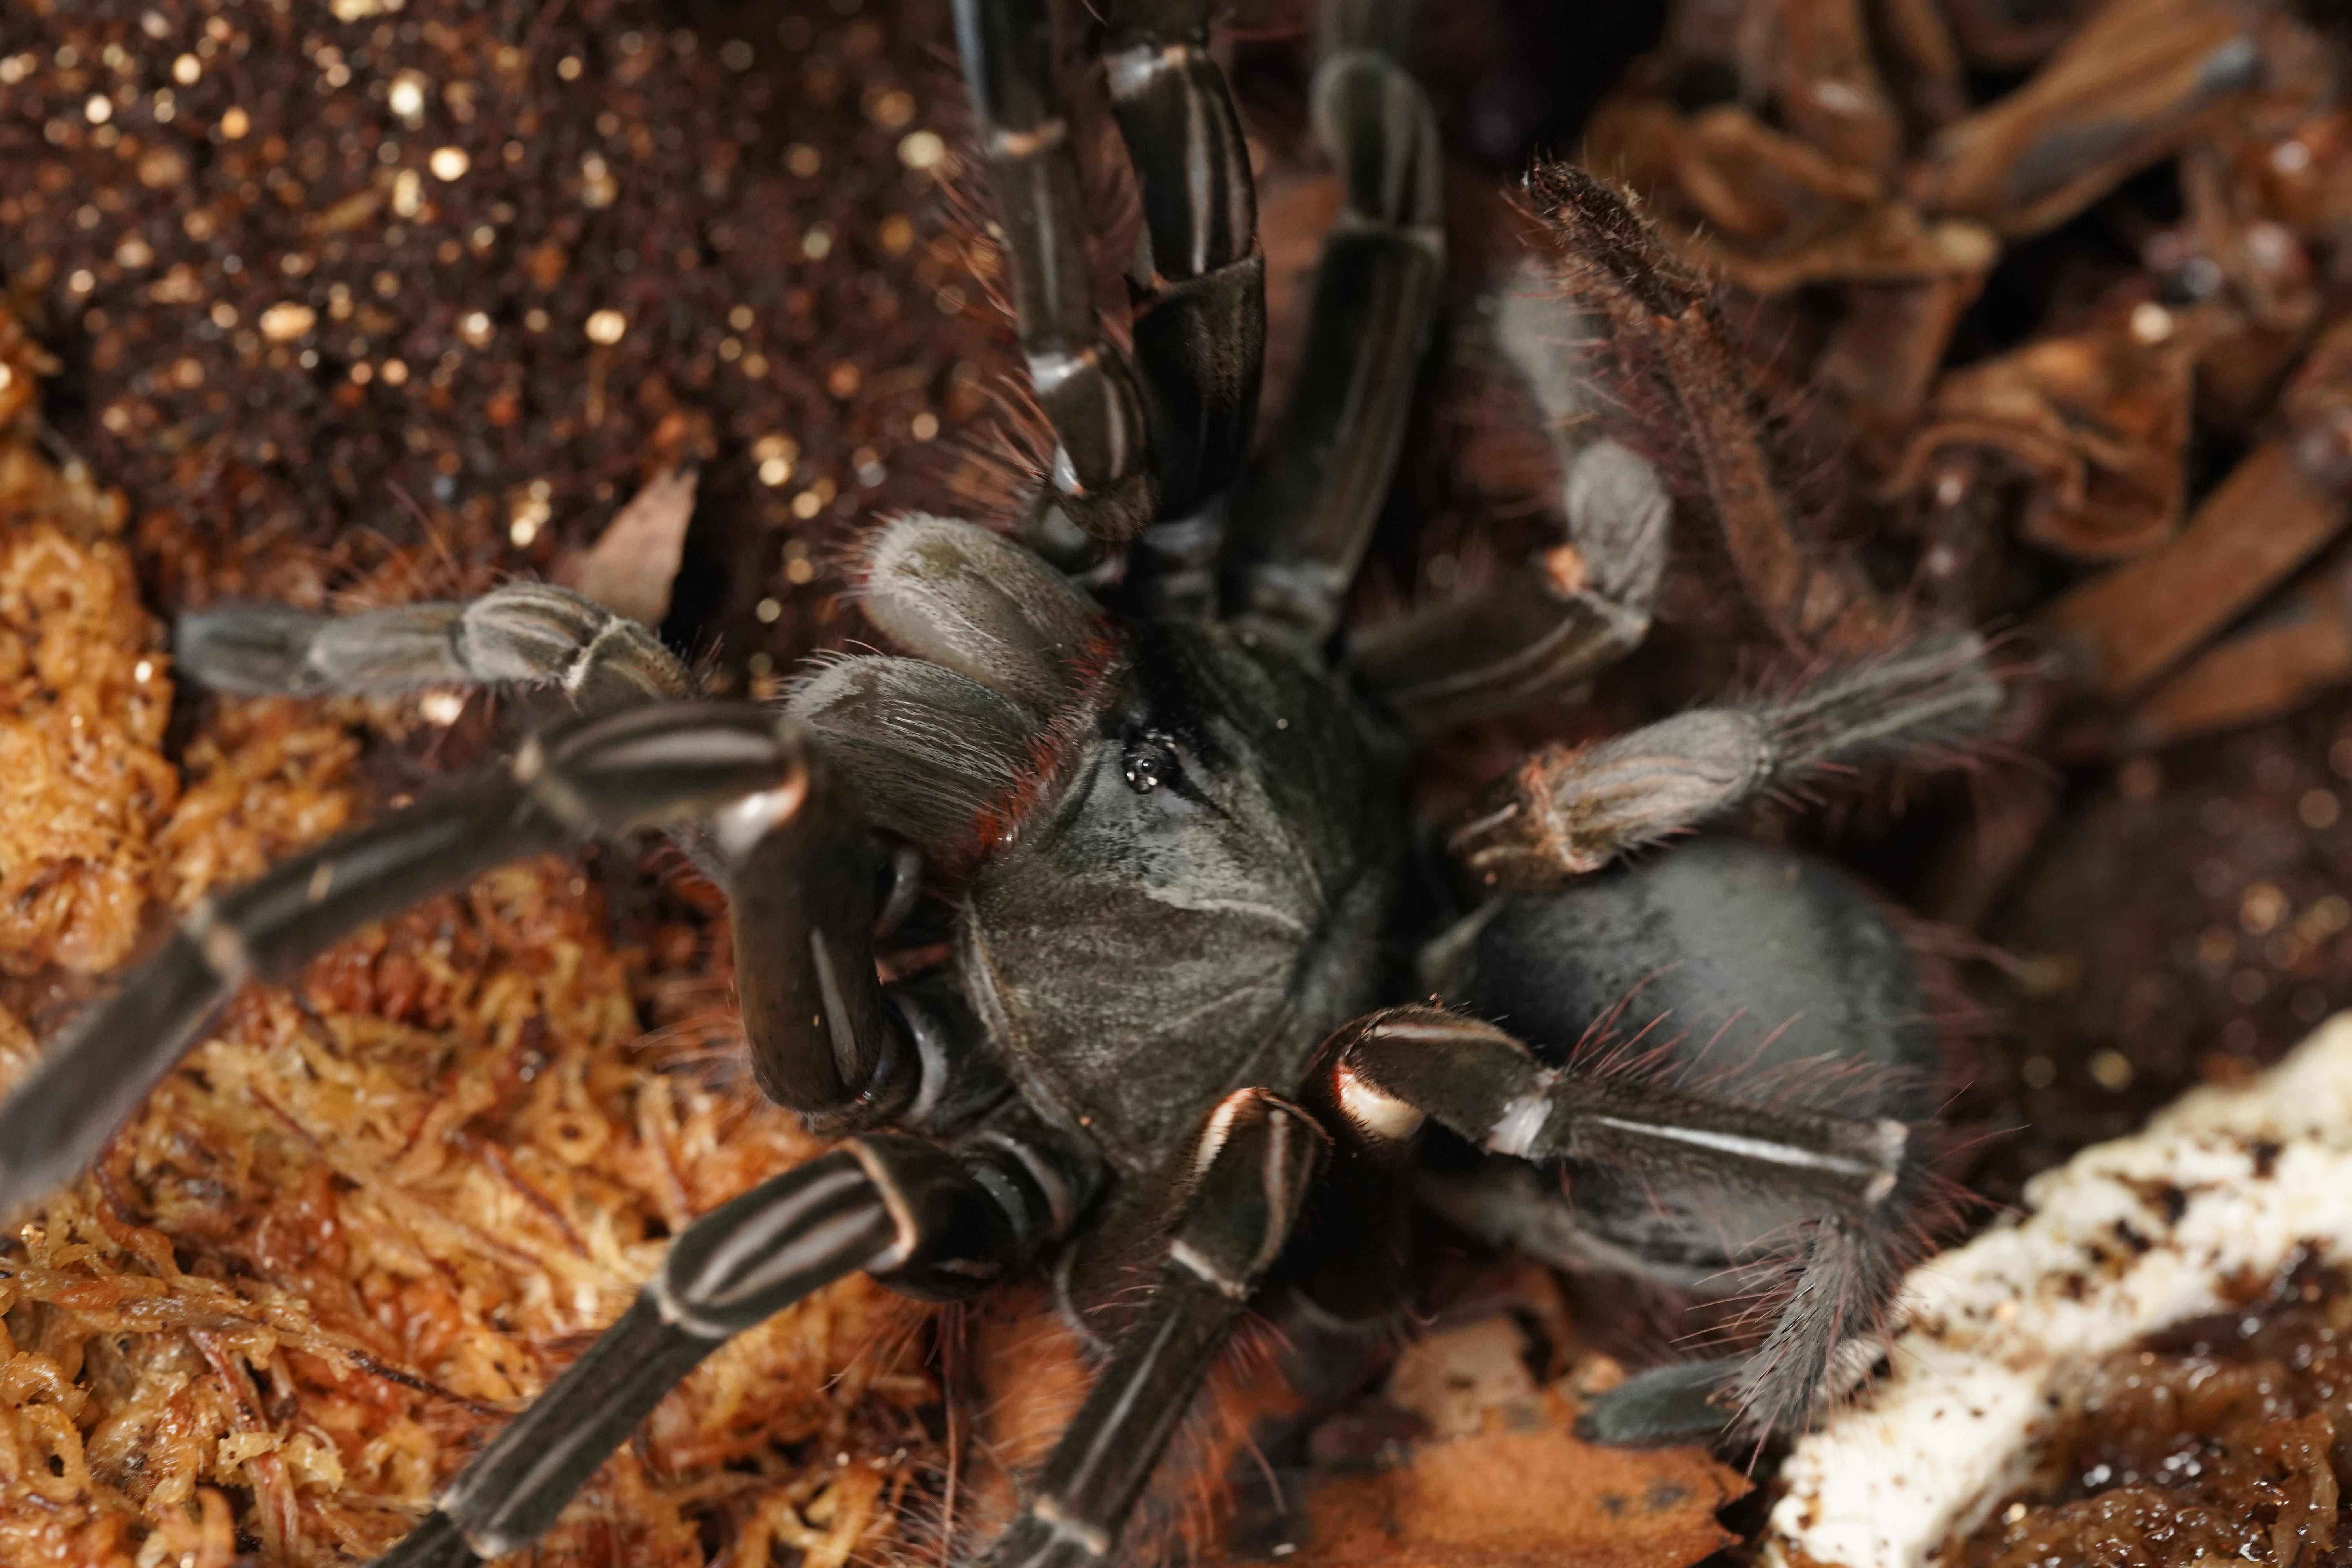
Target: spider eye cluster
[(1151, 761)]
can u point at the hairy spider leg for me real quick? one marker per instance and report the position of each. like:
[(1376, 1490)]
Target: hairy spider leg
[(1141, 440), (1570, 609), (526, 633), (1570, 810), (1200, 324), (1844, 1183), (1256, 1159), (1728, 969), (1670, 348), (967, 599), (932, 1223), (576, 780), (934, 754), (1101, 485), (1304, 512), (951, 748), (806, 874)]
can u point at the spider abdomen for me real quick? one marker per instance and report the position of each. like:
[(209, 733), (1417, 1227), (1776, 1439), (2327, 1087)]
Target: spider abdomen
[(1729, 966)]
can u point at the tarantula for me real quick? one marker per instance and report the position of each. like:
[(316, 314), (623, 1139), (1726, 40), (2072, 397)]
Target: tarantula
[(1171, 812)]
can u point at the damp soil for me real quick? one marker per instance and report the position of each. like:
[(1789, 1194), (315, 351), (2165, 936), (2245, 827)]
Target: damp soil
[(2227, 1437)]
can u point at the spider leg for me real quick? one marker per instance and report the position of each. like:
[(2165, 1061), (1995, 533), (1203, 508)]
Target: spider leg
[(1568, 810), (930, 1223), (1200, 328), (984, 607), (524, 632), (1305, 513), (809, 885), (929, 753), (1253, 1168), (575, 780), (1661, 328), (1102, 484), (1843, 1183), (1568, 611)]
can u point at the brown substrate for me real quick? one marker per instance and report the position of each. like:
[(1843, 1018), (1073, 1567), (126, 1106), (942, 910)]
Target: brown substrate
[(2223, 1438)]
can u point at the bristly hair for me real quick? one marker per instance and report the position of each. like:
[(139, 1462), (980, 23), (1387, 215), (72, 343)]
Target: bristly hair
[(1677, 393), (1185, 1509), (1096, 665), (1850, 1268), (999, 467), (990, 471)]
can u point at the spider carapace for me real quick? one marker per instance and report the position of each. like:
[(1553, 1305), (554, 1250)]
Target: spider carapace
[(1212, 982), (1215, 890)]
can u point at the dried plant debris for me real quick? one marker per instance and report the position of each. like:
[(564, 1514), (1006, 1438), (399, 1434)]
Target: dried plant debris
[(378, 1211), (1803, 147), (1466, 1455), (632, 566)]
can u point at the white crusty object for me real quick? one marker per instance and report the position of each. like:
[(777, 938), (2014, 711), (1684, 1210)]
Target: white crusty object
[(2125, 1239)]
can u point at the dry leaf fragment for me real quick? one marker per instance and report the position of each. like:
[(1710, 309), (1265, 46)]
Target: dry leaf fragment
[(1521, 1492), (631, 567), (2123, 91), (2098, 419), (1496, 1476)]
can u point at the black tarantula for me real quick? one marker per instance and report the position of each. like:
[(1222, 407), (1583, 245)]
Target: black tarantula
[(1166, 796)]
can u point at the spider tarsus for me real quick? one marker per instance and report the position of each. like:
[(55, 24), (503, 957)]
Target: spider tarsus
[(526, 633), (1849, 1275), (1938, 690), (263, 650), (1567, 811)]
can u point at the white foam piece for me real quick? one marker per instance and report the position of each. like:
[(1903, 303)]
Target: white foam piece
[(2123, 1240)]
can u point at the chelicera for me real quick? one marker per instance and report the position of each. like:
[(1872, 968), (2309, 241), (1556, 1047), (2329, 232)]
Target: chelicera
[(1192, 910)]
